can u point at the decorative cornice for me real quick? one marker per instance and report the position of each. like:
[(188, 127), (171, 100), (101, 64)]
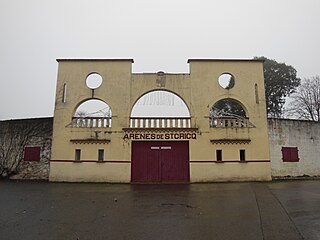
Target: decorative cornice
[(152, 130), (95, 60), (223, 60), (90, 141), (230, 141)]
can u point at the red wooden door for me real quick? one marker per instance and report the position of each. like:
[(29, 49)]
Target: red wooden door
[(174, 162), (145, 162), (160, 162)]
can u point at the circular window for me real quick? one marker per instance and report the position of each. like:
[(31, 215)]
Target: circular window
[(226, 81), (94, 81)]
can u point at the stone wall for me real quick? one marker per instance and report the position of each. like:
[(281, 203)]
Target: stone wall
[(305, 135), (36, 170), (23, 133)]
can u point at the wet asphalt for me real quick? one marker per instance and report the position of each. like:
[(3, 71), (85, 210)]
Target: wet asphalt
[(275, 210)]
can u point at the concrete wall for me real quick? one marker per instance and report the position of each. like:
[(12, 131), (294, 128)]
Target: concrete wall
[(294, 133), (199, 89), (205, 92)]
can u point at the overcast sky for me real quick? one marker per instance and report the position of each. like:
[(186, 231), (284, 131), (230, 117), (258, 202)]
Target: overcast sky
[(158, 35)]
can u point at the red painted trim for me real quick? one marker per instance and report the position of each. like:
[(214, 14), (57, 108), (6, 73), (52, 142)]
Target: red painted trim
[(232, 161), (119, 161), (88, 161)]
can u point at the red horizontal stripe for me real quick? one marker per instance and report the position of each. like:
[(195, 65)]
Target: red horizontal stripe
[(88, 161), (231, 161), (119, 161)]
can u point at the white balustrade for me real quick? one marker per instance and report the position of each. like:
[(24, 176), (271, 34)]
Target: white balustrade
[(225, 122), (91, 122), (168, 122)]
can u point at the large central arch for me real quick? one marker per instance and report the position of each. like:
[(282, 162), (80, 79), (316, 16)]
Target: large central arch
[(160, 103), (160, 109)]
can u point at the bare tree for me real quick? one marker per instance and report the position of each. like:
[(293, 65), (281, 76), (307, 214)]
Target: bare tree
[(306, 101), (14, 136), (81, 114)]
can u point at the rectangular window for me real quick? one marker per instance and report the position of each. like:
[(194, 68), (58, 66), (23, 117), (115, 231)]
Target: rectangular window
[(256, 93), (78, 154), (101, 154), (242, 155), (31, 154), (290, 154), (64, 94), (219, 155)]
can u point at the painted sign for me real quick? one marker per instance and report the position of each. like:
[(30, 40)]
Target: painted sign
[(160, 136)]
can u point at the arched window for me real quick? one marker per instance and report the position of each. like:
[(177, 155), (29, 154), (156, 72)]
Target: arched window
[(160, 109), (92, 113), (228, 113)]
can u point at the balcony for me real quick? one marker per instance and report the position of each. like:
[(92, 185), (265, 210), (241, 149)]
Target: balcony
[(91, 122), (230, 122), (160, 122)]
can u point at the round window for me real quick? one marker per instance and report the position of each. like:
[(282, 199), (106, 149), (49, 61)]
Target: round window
[(226, 81), (94, 81)]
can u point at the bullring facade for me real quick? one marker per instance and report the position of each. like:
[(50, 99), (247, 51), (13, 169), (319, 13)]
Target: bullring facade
[(223, 135)]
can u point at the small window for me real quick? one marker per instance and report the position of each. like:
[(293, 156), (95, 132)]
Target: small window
[(219, 154), (78, 154), (290, 154), (64, 96), (101, 154), (256, 93), (31, 154), (242, 155)]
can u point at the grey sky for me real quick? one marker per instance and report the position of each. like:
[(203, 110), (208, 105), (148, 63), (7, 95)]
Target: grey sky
[(159, 35)]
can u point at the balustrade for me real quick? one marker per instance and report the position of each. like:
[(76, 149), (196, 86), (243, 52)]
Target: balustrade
[(155, 122), (228, 122), (91, 122)]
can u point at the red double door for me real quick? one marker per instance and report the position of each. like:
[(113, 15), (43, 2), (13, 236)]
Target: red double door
[(160, 162)]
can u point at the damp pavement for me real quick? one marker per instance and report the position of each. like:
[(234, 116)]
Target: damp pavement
[(275, 210)]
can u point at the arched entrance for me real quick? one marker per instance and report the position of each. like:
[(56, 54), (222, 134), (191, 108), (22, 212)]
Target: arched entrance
[(160, 148)]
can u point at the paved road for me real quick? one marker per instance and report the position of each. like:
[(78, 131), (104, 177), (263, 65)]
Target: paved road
[(279, 210)]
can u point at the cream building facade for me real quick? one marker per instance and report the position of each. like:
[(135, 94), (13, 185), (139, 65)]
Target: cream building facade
[(212, 143)]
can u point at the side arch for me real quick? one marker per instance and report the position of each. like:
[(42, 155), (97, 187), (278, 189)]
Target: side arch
[(91, 113), (229, 113), (230, 106)]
